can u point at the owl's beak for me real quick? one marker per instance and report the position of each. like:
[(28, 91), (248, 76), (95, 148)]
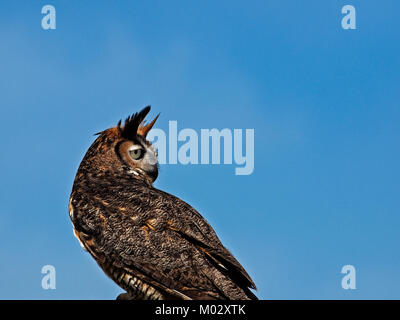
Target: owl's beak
[(153, 173), (144, 129)]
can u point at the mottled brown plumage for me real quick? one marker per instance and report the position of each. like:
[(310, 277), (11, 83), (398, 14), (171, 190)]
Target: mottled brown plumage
[(151, 243)]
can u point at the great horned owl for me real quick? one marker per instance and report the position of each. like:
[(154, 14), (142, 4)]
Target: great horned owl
[(151, 243)]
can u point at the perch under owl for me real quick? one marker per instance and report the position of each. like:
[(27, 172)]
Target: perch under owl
[(151, 243)]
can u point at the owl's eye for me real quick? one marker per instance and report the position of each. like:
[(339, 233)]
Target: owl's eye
[(136, 154)]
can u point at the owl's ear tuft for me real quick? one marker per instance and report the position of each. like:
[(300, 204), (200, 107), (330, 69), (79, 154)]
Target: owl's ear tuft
[(132, 123), (144, 128)]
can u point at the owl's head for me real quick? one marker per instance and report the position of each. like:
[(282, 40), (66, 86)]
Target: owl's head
[(124, 148)]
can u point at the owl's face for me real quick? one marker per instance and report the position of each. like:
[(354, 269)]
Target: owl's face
[(124, 149)]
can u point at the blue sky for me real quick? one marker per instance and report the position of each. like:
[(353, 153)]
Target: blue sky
[(324, 103)]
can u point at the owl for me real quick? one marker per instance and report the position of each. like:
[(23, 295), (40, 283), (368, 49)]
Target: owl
[(152, 244)]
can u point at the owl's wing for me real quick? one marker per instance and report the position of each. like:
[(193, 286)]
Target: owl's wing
[(221, 258), (192, 227), (167, 248)]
